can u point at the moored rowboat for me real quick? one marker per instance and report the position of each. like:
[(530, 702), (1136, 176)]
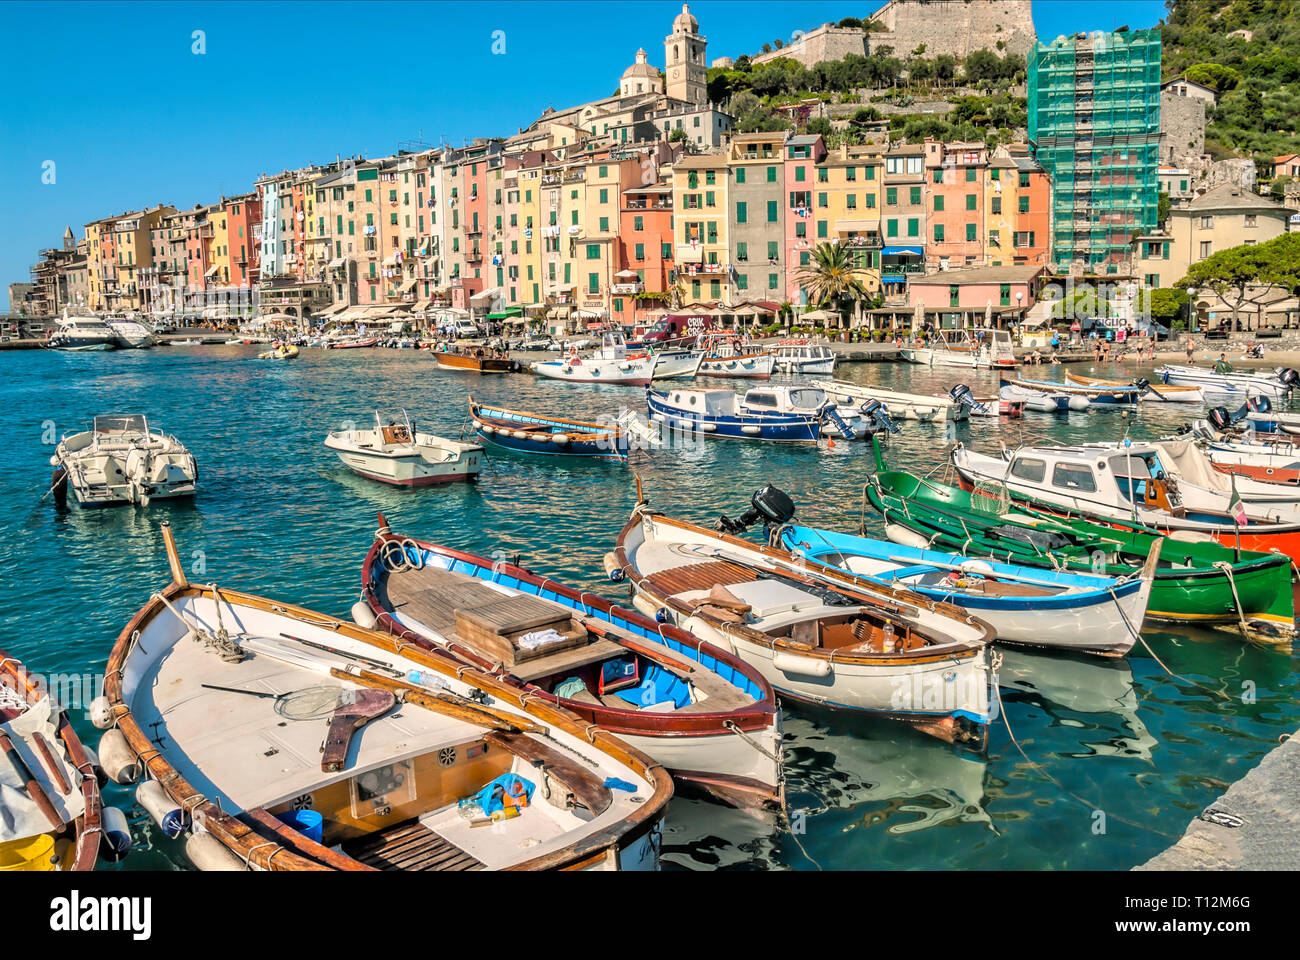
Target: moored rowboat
[(536, 433)]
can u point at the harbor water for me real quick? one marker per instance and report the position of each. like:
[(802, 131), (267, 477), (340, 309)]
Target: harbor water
[(1095, 763)]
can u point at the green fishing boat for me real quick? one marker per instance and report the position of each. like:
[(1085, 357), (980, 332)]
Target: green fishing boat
[(1195, 581)]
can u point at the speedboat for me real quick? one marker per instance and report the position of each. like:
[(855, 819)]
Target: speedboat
[(901, 406), (475, 358), (779, 413), (610, 363), (728, 356), (54, 817), (397, 453), (120, 460), (276, 738), (992, 349), (817, 635), (707, 716), (82, 333), (801, 356), (1276, 387), (1078, 612), (132, 334)]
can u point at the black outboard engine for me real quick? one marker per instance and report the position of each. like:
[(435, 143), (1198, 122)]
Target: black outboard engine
[(1259, 403), (878, 418), (961, 394), (1288, 376), (1219, 418), (1142, 383), (769, 504)]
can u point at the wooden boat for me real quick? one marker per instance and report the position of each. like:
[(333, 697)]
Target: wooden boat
[(53, 814), (611, 363), (239, 685), (1102, 396), (901, 406), (120, 461), (475, 358), (397, 453), (1081, 613), (1195, 581), (729, 356), (993, 349), (818, 636), (1276, 386), (707, 716), (1129, 486), (676, 364), (778, 414), (1168, 392), (801, 356), (1041, 401), (552, 436)]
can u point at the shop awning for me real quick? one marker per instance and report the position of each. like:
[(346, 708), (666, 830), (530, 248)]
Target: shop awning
[(857, 226), (902, 252), (212, 272), (410, 284), (336, 263)]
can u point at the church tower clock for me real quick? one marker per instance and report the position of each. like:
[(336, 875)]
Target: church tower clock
[(684, 60)]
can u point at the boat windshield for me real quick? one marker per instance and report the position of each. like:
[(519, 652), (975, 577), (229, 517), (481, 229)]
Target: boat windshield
[(1131, 474), (806, 398), (123, 425)]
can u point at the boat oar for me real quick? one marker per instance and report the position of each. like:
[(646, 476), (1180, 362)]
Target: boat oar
[(442, 702), (39, 796), (47, 758)]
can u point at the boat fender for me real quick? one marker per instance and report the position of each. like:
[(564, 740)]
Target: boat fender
[(613, 569), (663, 615), (363, 616), (207, 853), (981, 567), (54, 460), (114, 834), (709, 427), (119, 762), (807, 666), (559, 439), (101, 713), (485, 428), (520, 435), (751, 429), (96, 769), (1079, 402), (908, 538), (162, 809)]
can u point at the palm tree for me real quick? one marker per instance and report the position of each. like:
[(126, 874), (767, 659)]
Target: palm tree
[(831, 277)]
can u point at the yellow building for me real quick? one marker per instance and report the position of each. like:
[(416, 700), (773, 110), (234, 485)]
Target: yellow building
[(1000, 211), (700, 228), (847, 197)]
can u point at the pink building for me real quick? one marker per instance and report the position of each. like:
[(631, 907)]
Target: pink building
[(978, 296), (802, 154)]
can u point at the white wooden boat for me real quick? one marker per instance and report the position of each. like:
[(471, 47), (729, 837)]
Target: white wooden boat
[(901, 406), (820, 636), (728, 356), (120, 460), (677, 364), (992, 349), (397, 453), (244, 689), (1167, 392), (801, 356), (611, 363), (1276, 386)]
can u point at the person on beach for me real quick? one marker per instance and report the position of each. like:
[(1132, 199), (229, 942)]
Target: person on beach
[(1191, 350), (1223, 366)]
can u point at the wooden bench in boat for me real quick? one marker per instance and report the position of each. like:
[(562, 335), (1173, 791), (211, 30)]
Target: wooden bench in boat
[(409, 845), (700, 576)]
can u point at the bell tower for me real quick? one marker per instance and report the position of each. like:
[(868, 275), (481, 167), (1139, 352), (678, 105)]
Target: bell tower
[(684, 60)]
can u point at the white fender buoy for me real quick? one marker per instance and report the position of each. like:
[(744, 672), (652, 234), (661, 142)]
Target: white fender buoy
[(709, 427), (750, 429), (613, 569), (114, 834), (207, 853), (118, 760), (908, 538), (981, 567), (54, 460), (162, 809), (520, 435), (101, 713), (485, 428), (559, 439), (807, 666), (1079, 402), (363, 616)]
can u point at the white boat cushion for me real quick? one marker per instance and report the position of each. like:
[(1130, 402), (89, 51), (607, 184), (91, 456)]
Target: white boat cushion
[(767, 598)]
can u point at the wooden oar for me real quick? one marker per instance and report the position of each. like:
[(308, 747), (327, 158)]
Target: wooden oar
[(446, 703), (39, 796)]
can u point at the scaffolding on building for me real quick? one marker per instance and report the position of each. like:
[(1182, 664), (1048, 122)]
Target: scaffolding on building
[(1094, 125)]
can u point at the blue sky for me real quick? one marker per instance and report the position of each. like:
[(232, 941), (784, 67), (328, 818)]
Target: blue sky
[(114, 95)]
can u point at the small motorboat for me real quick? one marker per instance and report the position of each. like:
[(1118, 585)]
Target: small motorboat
[(539, 434), (1166, 392), (475, 358), (81, 333), (610, 363), (1277, 386), (802, 356), (1078, 612), (132, 334), (296, 741), (53, 814), (729, 356), (1041, 401), (777, 413), (818, 635), (354, 343), (280, 351), (120, 460), (397, 453), (707, 716), (901, 406), (677, 364)]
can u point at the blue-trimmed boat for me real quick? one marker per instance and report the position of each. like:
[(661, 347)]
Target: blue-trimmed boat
[(1025, 605), (701, 711), (776, 413), (1105, 396), (535, 433)]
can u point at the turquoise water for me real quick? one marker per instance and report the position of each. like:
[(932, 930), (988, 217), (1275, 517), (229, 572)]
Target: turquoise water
[(1120, 755)]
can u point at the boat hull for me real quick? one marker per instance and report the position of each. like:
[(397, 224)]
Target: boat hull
[(677, 365), (630, 373), (536, 434), (902, 406), (750, 366), (458, 361), (773, 428)]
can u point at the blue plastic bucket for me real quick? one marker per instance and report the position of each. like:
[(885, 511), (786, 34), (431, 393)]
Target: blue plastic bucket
[(307, 822)]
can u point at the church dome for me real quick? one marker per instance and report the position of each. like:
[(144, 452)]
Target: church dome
[(685, 23), (641, 68), (641, 77)]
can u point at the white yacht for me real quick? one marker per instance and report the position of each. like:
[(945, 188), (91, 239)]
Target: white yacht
[(120, 461), (132, 334), (82, 332)]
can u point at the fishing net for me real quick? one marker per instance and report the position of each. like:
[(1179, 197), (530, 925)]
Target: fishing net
[(990, 497), (310, 703)]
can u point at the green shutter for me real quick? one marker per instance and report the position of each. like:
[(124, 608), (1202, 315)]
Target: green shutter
[(772, 211), (742, 212)]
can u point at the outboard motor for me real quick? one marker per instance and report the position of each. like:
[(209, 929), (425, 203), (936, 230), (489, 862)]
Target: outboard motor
[(1219, 418), (769, 504), (961, 394), (1288, 376), (1259, 403), (878, 418)]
